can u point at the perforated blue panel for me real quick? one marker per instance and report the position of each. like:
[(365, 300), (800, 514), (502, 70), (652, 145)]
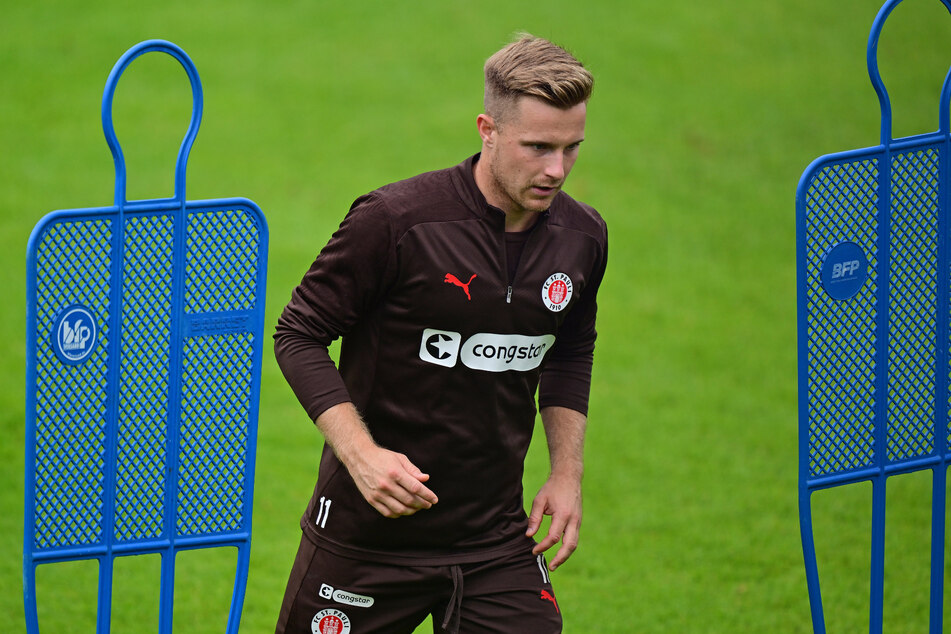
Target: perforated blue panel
[(842, 203), (215, 409), (220, 269), (74, 261), (913, 304), (144, 370)]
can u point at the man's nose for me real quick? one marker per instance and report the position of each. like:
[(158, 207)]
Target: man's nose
[(556, 167)]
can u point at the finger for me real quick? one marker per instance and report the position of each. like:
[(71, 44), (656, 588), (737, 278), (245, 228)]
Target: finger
[(420, 491), (414, 485), (549, 540), (413, 470), (555, 532), (395, 494), (568, 546), (390, 499), (535, 518), (384, 509), (404, 492), (393, 507), (544, 545)]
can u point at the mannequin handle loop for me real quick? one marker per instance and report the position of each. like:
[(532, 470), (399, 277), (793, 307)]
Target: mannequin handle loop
[(875, 76), (109, 130)]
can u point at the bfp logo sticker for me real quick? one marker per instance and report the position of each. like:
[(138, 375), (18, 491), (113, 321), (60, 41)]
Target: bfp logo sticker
[(844, 271), (74, 334)]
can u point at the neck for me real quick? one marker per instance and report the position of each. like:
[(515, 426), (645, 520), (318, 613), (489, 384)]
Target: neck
[(516, 219), (521, 221)]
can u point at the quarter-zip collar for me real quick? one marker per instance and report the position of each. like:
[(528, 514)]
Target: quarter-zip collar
[(464, 181)]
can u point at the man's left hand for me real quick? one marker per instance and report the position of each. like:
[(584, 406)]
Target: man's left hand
[(560, 498)]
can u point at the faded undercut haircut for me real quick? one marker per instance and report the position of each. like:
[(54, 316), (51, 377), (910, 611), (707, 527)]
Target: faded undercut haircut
[(534, 67)]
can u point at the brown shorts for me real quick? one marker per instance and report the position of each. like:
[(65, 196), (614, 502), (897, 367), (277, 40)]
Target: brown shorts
[(329, 594)]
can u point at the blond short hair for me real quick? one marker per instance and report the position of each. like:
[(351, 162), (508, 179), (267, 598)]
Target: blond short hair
[(534, 67)]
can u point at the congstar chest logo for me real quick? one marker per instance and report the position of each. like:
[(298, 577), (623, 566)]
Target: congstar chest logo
[(484, 351)]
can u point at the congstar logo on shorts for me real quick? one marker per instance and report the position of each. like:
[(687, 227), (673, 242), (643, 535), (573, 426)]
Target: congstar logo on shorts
[(485, 351), (348, 598)]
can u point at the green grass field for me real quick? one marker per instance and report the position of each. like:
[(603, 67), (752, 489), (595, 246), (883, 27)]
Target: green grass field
[(704, 116)]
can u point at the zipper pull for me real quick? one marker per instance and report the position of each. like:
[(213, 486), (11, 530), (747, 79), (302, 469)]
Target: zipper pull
[(508, 295)]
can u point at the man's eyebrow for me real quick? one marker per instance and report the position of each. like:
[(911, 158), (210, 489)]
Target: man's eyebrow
[(549, 143)]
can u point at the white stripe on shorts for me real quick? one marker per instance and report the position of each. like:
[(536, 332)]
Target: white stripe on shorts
[(541, 566)]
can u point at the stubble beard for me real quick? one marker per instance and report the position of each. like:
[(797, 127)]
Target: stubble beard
[(520, 198)]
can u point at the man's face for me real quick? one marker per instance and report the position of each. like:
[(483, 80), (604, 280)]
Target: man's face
[(531, 153)]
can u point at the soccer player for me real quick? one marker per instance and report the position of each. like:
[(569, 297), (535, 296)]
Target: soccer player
[(460, 294)]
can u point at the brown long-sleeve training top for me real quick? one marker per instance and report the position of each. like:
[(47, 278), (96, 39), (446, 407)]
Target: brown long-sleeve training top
[(444, 345)]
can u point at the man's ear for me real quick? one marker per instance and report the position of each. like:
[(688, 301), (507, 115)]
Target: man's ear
[(487, 129)]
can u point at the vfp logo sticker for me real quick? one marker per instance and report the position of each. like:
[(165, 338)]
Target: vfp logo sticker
[(74, 334), (844, 271)]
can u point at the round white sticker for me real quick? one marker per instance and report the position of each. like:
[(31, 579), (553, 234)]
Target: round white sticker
[(556, 292), (74, 334), (330, 621)]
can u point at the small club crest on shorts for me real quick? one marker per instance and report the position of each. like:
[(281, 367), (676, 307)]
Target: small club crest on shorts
[(330, 621), (556, 292)]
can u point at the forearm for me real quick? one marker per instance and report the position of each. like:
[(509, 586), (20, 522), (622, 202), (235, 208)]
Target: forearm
[(388, 481), (345, 432), (565, 429)]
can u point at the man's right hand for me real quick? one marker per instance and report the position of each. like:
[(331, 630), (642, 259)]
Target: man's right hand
[(388, 481)]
